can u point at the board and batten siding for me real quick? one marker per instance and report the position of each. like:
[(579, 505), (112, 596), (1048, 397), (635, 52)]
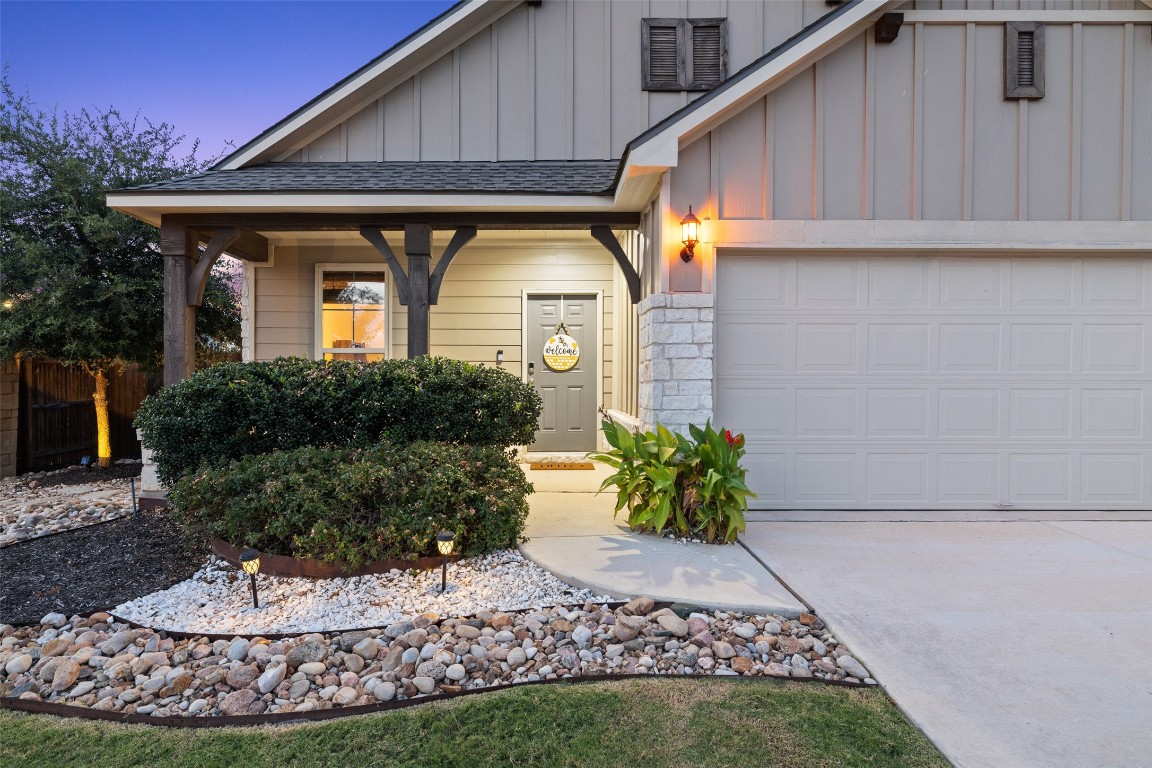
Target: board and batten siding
[(918, 129), (560, 81), (480, 308)]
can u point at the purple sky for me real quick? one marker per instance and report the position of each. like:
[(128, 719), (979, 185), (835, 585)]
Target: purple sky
[(216, 70)]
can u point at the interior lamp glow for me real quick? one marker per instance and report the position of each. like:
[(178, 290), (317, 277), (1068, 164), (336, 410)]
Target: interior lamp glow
[(445, 540), (250, 562), (690, 230)]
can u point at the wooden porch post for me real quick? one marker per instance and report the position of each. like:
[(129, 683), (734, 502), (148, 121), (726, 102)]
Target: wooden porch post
[(179, 246), (418, 249)]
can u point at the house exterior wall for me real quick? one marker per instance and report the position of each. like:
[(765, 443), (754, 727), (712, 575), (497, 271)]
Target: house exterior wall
[(480, 307), (918, 129), (559, 81)]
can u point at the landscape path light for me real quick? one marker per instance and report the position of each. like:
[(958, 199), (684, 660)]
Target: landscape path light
[(250, 562), (444, 542)]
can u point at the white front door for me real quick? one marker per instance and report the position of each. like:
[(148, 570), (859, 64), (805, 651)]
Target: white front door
[(938, 382)]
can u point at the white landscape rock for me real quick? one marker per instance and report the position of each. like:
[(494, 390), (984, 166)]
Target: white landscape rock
[(217, 598)]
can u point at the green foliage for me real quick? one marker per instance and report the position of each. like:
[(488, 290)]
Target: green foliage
[(82, 283), (359, 505), (665, 480), (238, 409)]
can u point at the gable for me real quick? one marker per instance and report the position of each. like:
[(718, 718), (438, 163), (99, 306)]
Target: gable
[(558, 81)]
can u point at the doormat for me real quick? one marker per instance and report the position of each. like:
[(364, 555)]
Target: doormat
[(561, 465)]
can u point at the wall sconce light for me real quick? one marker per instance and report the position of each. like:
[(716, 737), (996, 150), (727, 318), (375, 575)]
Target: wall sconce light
[(444, 542), (499, 357), (250, 562), (690, 228)]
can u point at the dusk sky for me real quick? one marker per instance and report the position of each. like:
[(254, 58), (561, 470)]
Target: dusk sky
[(216, 70)]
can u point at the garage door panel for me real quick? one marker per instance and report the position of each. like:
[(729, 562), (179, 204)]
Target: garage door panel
[(1040, 413), (898, 477), (1036, 347), (970, 283), (938, 382), (969, 477), (827, 347), (1112, 413), (826, 412), (899, 347), (970, 348), (1113, 347), (1039, 477), (823, 284), (827, 477), (1108, 478), (969, 412), (1114, 284), (1042, 283), (897, 412), (899, 283)]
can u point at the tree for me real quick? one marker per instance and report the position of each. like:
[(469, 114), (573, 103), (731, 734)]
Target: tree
[(79, 282)]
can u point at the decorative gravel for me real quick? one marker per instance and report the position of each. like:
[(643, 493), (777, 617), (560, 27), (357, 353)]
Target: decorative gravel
[(98, 663), (218, 598), (44, 503)]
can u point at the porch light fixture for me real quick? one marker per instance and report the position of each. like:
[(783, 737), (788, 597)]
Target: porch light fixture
[(690, 228), (250, 562), (445, 540)]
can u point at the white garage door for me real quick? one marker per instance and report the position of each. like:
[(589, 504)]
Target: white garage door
[(938, 382)]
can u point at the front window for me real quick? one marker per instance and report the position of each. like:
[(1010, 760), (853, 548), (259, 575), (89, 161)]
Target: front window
[(353, 318)]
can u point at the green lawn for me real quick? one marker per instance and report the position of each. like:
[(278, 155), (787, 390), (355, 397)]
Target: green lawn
[(634, 723)]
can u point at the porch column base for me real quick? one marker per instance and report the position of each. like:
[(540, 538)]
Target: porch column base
[(676, 369)]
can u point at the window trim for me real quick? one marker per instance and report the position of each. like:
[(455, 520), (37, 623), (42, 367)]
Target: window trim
[(686, 75), (318, 349), (1012, 87)]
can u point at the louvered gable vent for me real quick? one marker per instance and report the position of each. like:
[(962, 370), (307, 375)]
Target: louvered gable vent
[(683, 54), (1023, 60)]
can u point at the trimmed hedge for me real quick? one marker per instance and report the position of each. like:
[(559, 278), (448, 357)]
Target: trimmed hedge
[(239, 409), (359, 505)]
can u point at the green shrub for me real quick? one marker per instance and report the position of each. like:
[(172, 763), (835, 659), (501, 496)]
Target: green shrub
[(359, 505), (239, 409), (695, 487)]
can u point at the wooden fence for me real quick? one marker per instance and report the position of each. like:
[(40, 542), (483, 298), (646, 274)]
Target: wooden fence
[(57, 423)]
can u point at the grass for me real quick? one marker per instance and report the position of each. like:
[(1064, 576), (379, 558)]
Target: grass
[(638, 723)]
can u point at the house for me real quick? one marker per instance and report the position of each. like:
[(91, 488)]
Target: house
[(923, 271)]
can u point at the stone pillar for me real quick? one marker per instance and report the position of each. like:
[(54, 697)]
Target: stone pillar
[(675, 360), (9, 416)]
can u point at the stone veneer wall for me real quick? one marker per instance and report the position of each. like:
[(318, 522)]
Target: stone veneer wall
[(675, 360), (9, 416)]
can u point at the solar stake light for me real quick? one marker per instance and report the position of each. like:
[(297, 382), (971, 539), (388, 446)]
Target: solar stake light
[(445, 540), (250, 562)]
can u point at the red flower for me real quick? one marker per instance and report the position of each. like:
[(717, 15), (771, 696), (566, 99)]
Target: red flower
[(733, 440)]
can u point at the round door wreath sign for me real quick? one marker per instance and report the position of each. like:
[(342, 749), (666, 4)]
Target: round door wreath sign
[(561, 352)]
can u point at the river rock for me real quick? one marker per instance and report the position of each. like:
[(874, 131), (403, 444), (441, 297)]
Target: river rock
[(852, 667), (242, 676), (673, 623), (367, 648), (271, 678), (345, 696), (65, 675), (309, 650), (385, 691), (312, 668), (239, 702), (238, 649), (424, 684)]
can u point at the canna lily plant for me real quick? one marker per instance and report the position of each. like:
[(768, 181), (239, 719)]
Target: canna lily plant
[(693, 487)]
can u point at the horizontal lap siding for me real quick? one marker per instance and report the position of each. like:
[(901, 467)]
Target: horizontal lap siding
[(919, 129), (559, 81), (480, 307)]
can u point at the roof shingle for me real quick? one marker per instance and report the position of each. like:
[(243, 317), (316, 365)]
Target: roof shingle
[(581, 177)]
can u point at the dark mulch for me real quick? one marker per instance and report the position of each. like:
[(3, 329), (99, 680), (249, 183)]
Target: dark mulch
[(83, 476), (94, 568)]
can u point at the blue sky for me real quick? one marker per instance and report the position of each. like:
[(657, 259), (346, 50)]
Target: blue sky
[(217, 70)]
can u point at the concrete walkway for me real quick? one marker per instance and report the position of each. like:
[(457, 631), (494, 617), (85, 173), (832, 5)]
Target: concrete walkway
[(1014, 640), (571, 532)]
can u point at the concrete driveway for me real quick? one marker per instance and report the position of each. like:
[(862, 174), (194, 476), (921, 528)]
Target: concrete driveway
[(1010, 643)]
